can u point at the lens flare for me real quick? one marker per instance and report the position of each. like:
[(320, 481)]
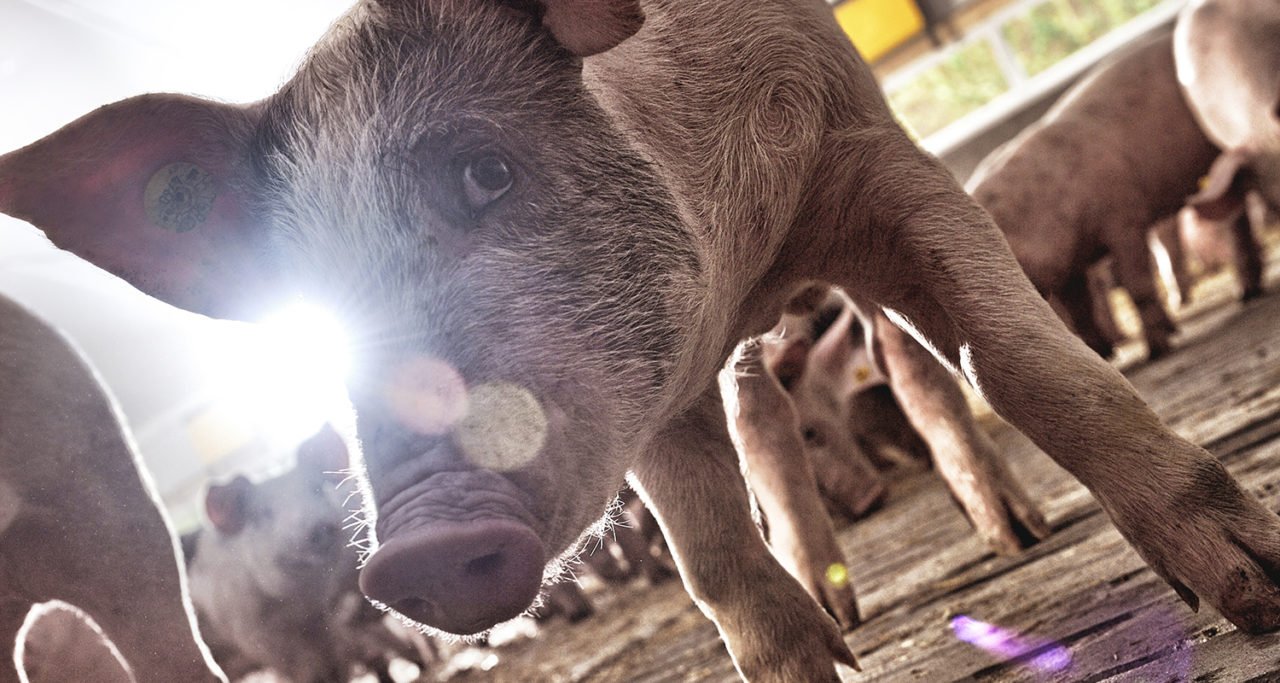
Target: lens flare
[(1042, 655), (504, 429), (837, 575)]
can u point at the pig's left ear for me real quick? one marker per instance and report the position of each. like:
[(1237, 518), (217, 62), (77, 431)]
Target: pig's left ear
[(227, 505), (588, 27), (155, 189), (1221, 193)]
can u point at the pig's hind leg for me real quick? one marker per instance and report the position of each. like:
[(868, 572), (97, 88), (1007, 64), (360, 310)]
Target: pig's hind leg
[(970, 302), (1248, 257), (691, 480), (999, 509)]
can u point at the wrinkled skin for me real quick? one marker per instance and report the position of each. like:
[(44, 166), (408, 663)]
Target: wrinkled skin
[(1228, 60), (76, 517), (271, 570), (504, 225), (1119, 153)]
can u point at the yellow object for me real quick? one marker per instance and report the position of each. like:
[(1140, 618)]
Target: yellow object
[(877, 26), (837, 575)]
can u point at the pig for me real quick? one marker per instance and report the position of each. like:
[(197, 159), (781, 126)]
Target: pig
[(271, 570), (1228, 63), (797, 432), (547, 225), (1116, 155), (80, 522)]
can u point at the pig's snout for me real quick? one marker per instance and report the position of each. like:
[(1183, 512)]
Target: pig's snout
[(459, 577)]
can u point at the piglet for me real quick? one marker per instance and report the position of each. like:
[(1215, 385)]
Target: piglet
[(271, 570), (1118, 153), (1228, 58), (549, 223), (80, 522)]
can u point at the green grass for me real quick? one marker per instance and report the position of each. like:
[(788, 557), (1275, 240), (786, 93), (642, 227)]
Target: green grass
[(1039, 39), (1054, 30), (953, 88)]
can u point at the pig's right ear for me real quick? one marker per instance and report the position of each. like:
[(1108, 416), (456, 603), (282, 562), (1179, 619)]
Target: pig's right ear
[(155, 189), (324, 453), (1221, 194), (227, 505), (789, 364), (588, 27)]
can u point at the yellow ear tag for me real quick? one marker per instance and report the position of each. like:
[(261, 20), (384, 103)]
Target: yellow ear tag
[(179, 197), (862, 373)]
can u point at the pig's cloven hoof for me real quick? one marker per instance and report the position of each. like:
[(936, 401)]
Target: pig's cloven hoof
[(459, 577), (1225, 550)]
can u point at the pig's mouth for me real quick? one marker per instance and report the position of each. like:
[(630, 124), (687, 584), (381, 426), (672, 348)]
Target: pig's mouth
[(459, 552)]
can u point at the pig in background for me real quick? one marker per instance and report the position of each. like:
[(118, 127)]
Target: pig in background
[(80, 521), (273, 577), (792, 397), (1228, 58), (1119, 153), (563, 216)]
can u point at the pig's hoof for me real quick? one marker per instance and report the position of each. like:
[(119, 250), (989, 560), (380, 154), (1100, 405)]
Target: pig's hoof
[(787, 639), (1224, 549), (1251, 292), (838, 598)]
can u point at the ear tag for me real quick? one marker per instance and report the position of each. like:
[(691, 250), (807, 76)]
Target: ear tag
[(179, 197), (1203, 182)]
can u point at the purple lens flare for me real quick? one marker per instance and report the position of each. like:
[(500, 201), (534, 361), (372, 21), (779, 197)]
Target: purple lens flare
[(1042, 655)]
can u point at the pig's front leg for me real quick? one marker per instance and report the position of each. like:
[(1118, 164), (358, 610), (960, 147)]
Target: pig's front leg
[(968, 300), (996, 505), (1248, 256), (690, 479), (782, 478)]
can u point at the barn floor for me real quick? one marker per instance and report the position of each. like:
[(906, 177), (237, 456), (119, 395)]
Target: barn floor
[(915, 564)]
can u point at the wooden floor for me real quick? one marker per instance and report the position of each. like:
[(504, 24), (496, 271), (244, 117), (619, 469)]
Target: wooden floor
[(916, 565)]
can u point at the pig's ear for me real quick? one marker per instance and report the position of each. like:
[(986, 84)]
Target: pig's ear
[(789, 363), (831, 353), (156, 189), (227, 505), (324, 453), (588, 27), (1221, 194)]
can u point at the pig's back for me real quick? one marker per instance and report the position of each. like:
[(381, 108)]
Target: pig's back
[(1228, 58)]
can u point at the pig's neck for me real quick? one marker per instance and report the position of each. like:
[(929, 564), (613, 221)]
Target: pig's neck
[(730, 101)]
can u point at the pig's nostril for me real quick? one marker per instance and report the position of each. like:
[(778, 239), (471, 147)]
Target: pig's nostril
[(484, 565)]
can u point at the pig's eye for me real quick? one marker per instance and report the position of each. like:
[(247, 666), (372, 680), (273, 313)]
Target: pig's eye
[(811, 436), (485, 179)]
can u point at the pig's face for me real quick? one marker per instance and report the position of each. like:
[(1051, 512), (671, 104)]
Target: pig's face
[(516, 279), (285, 533), (510, 267)]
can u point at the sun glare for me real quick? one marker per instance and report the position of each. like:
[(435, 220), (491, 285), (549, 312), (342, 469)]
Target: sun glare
[(284, 375)]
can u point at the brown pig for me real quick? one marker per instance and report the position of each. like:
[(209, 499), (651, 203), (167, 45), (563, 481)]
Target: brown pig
[(790, 416), (1228, 61), (1117, 154), (548, 224), (79, 521)]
